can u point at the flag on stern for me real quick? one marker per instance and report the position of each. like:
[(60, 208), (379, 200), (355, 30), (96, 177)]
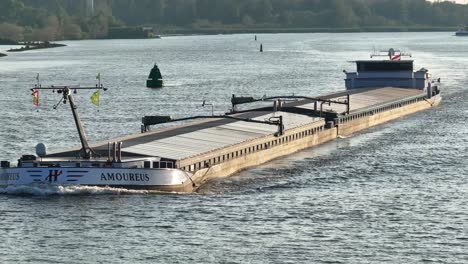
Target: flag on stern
[(396, 58), (35, 95), (95, 98)]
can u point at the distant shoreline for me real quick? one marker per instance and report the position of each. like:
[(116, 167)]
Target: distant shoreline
[(185, 31), (215, 31), (2, 55)]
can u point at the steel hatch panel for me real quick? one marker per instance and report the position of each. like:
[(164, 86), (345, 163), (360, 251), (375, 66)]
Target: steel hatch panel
[(213, 138), (368, 98)]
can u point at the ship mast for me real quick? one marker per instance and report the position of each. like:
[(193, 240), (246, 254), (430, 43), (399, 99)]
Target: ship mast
[(86, 151), (391, 53)]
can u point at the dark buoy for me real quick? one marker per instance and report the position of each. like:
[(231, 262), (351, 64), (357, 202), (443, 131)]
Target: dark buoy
[(155, 78), (261, 47), (255, 37)]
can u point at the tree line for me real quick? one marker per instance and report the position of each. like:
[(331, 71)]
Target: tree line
[(76, 19)]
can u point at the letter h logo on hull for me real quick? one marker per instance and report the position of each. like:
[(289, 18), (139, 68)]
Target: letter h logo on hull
[(53, 175)]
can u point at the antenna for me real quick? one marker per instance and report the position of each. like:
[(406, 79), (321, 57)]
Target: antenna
[(207, 104)]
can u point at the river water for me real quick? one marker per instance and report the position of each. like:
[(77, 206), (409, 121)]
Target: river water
[(397, 193)]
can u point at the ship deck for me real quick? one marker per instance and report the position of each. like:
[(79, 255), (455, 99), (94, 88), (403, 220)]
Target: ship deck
[(192, 139), (361, 99)]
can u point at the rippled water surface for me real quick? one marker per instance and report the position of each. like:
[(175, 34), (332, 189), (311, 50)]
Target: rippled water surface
[(397, 193)]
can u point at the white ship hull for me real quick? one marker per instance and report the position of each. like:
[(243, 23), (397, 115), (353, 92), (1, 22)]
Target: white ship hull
[(148, 179)]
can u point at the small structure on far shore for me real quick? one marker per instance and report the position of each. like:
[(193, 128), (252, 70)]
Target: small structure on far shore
[(462, 31), (155, 78), (132, 33)]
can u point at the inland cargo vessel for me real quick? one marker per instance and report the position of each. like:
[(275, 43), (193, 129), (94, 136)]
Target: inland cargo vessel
[(182, 157)]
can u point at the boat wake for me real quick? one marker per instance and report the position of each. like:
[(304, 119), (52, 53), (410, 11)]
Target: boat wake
[(66, 190)]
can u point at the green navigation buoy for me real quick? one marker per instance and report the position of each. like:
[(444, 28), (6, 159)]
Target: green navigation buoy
[(155, 78)]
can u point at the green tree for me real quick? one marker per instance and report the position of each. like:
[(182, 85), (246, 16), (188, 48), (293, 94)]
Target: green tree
[(99, 26), (72, 31), (11, 32)]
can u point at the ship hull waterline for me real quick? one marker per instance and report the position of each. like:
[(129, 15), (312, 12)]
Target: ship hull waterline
[(227, 169), (172, 180)]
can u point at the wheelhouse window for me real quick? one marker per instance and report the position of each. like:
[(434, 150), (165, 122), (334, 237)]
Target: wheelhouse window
[(384, 66)]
